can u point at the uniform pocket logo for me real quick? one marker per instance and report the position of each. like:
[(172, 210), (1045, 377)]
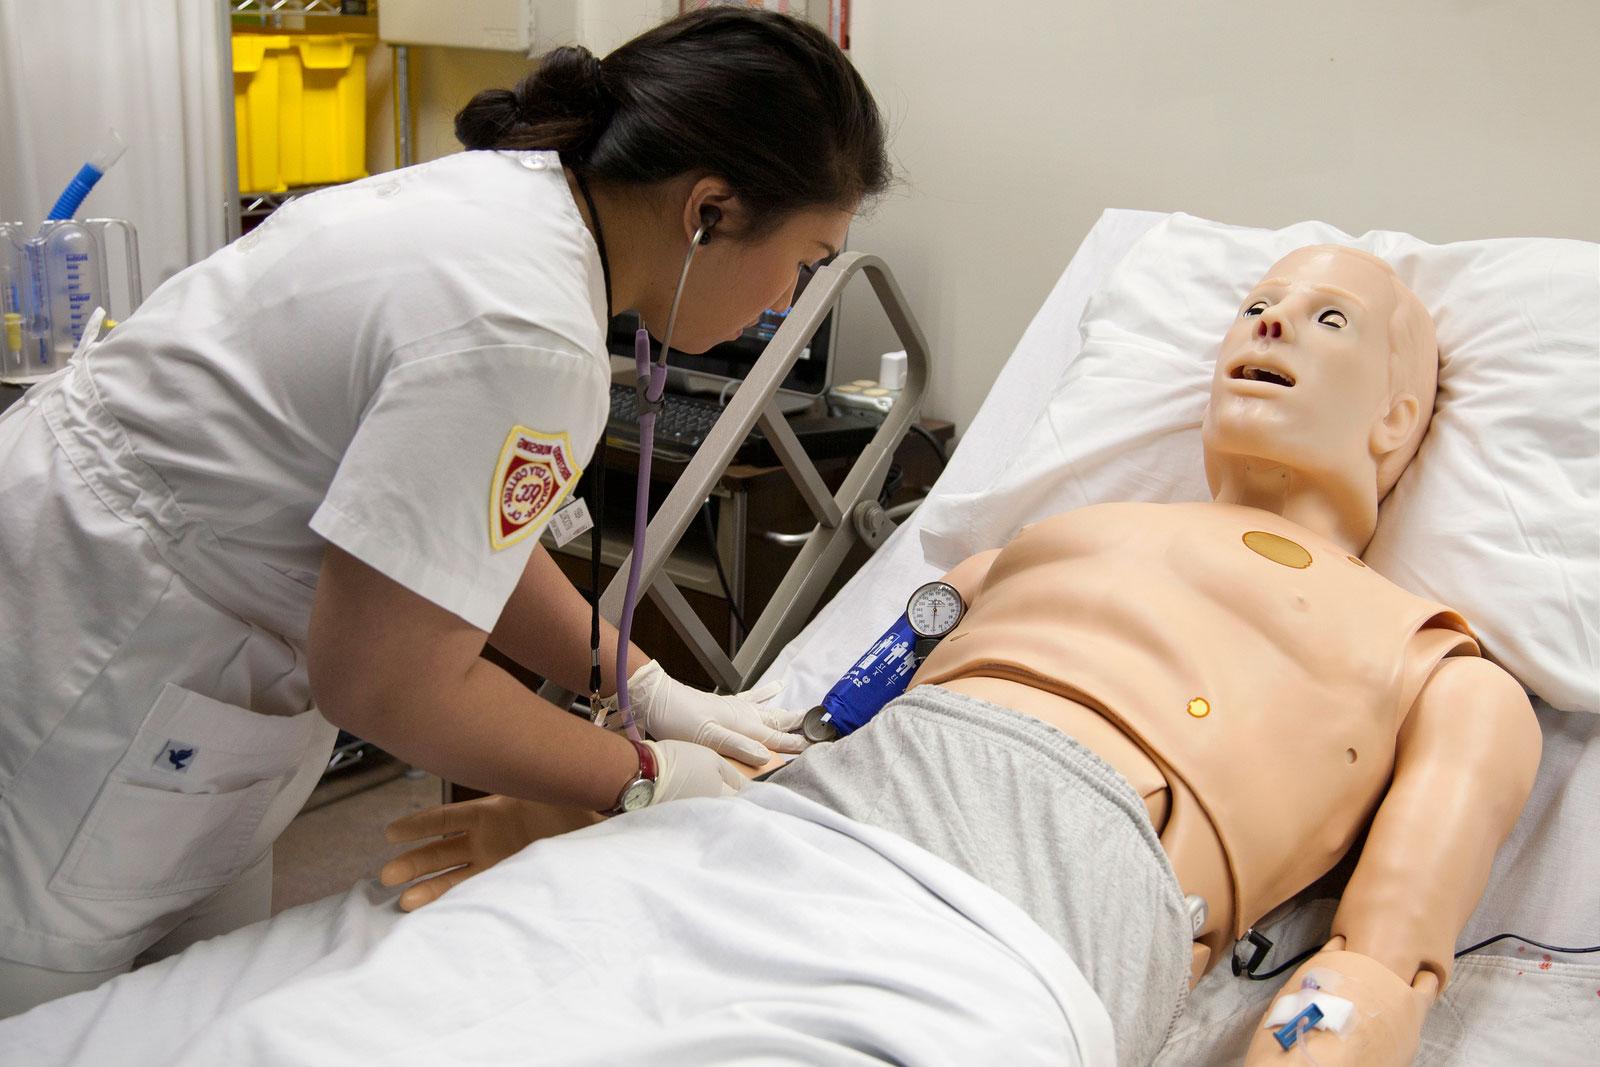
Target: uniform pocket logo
[(176, 756), (531, 481)]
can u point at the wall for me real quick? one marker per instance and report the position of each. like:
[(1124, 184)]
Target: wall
[(444, 79), (1016, 123)]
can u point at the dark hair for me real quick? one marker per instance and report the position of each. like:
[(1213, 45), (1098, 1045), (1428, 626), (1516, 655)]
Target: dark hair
[(766, 102)]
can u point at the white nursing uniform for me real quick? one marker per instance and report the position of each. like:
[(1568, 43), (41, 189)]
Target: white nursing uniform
[(410, 367)]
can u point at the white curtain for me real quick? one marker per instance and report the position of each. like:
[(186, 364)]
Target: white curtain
[(155, 70)]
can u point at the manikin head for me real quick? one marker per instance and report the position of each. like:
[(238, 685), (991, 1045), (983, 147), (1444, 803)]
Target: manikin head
[(1322, 392)]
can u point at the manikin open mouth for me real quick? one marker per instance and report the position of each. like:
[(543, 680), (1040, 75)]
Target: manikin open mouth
[(1262, 374)]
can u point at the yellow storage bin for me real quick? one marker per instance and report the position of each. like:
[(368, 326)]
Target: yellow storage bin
[(255, 110), (317, 124)]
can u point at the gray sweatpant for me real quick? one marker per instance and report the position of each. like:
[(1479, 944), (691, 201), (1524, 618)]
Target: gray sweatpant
[(1040, 819)]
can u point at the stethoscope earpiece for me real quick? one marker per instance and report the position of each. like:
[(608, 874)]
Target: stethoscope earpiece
[(709, 217)]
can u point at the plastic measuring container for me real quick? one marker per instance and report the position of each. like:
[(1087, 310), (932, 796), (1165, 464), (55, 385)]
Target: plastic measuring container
[(55, 279)]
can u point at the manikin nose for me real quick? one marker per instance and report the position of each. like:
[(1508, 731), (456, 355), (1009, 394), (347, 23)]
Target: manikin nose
[(1266, 329)]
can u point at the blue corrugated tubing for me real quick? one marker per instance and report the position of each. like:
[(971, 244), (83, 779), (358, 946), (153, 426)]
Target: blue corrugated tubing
[(72, 196)]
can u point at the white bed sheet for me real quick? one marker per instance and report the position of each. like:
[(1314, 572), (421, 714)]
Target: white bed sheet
[(892, 955), (1506, 1004)]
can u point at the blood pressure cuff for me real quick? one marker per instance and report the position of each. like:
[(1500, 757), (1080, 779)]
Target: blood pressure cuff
[(880, 675)]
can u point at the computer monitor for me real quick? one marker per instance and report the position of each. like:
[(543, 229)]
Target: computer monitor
[(732, 360)]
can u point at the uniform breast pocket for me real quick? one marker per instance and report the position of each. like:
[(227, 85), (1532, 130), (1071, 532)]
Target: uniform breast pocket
[(179, 814)]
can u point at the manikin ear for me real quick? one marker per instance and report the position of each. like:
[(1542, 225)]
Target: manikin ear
[(1395, 428)]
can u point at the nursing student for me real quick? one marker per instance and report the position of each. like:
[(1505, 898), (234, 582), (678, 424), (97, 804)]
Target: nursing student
[(302, 487)]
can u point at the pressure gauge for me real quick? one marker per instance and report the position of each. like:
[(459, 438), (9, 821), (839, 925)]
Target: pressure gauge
[(933, 611)]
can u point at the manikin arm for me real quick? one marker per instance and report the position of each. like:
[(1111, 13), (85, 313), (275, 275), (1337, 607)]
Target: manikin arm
[(1464, 764), (474, 835)]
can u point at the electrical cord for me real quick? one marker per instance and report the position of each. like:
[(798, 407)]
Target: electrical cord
[(1308, 953), (1269, 975), (892, 482), (1527, 941), (722, 577), (933, 442)]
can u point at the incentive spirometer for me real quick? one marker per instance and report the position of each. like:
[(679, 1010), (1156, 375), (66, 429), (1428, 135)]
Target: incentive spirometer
[(53, 277)]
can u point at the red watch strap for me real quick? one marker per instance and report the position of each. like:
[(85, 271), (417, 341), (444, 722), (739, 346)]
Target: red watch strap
[(647, 760)]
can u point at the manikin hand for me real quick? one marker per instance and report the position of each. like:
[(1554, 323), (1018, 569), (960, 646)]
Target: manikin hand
[(1385, 1027), (476, 834), (741, 726)]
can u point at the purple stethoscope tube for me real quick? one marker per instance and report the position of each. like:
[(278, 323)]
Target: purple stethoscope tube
[(651, 385)]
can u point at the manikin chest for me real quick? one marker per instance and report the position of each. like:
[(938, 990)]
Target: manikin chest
[(1204, 595)]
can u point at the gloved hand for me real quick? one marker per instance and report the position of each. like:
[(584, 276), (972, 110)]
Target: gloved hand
[(741, 726), (474, 836), (685, 769)]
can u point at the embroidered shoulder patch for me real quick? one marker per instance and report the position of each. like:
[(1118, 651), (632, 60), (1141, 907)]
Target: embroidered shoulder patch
[(531, 481)]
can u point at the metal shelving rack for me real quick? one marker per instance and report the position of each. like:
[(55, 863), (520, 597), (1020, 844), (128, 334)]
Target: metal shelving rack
[(241, 206), (272, 13)]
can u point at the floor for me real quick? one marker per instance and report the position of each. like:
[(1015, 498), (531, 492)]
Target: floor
[(337, 839)]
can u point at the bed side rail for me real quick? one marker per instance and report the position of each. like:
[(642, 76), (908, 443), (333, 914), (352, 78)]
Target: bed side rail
[(843, 518)]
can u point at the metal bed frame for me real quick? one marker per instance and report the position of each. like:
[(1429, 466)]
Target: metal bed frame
[(850, 516)]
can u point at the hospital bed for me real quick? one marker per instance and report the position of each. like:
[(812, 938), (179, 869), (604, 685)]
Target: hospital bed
[(1507, 1003)]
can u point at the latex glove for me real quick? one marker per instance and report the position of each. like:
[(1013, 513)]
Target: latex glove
[(741, 726), (475, 835), (685, 769)]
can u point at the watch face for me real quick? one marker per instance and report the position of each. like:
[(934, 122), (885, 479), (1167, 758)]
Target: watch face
[(639, 795), (934, 609)]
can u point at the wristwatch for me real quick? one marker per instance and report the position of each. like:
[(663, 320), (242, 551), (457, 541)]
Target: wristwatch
[(641, 788)]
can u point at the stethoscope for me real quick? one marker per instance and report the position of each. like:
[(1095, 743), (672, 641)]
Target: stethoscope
[(650, 386)]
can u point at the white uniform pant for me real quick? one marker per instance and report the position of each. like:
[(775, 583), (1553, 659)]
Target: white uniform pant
[(155, 738), (247, 900)]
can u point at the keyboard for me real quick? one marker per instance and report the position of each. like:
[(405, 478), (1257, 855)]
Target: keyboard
[(686, 421), (681, 427)]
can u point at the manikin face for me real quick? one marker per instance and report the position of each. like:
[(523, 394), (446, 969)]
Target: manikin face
[(733, 281), (1303, 378)]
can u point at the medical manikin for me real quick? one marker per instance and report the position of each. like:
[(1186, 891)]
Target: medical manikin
[(1270, 697)]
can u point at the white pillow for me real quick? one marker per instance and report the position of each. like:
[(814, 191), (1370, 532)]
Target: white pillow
[(1499, 514)]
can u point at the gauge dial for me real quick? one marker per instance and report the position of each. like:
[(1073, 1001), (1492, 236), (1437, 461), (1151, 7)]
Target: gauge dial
[(935, 609)]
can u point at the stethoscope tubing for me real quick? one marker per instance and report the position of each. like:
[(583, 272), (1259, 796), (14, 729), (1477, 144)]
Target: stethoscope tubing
[(651, 384)]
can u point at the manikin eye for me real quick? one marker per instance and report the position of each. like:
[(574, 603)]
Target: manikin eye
[(1333, 318), (1255, 309)]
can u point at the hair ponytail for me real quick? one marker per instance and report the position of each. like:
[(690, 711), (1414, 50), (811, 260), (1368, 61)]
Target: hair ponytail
[(561, 106), (766, 102)]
